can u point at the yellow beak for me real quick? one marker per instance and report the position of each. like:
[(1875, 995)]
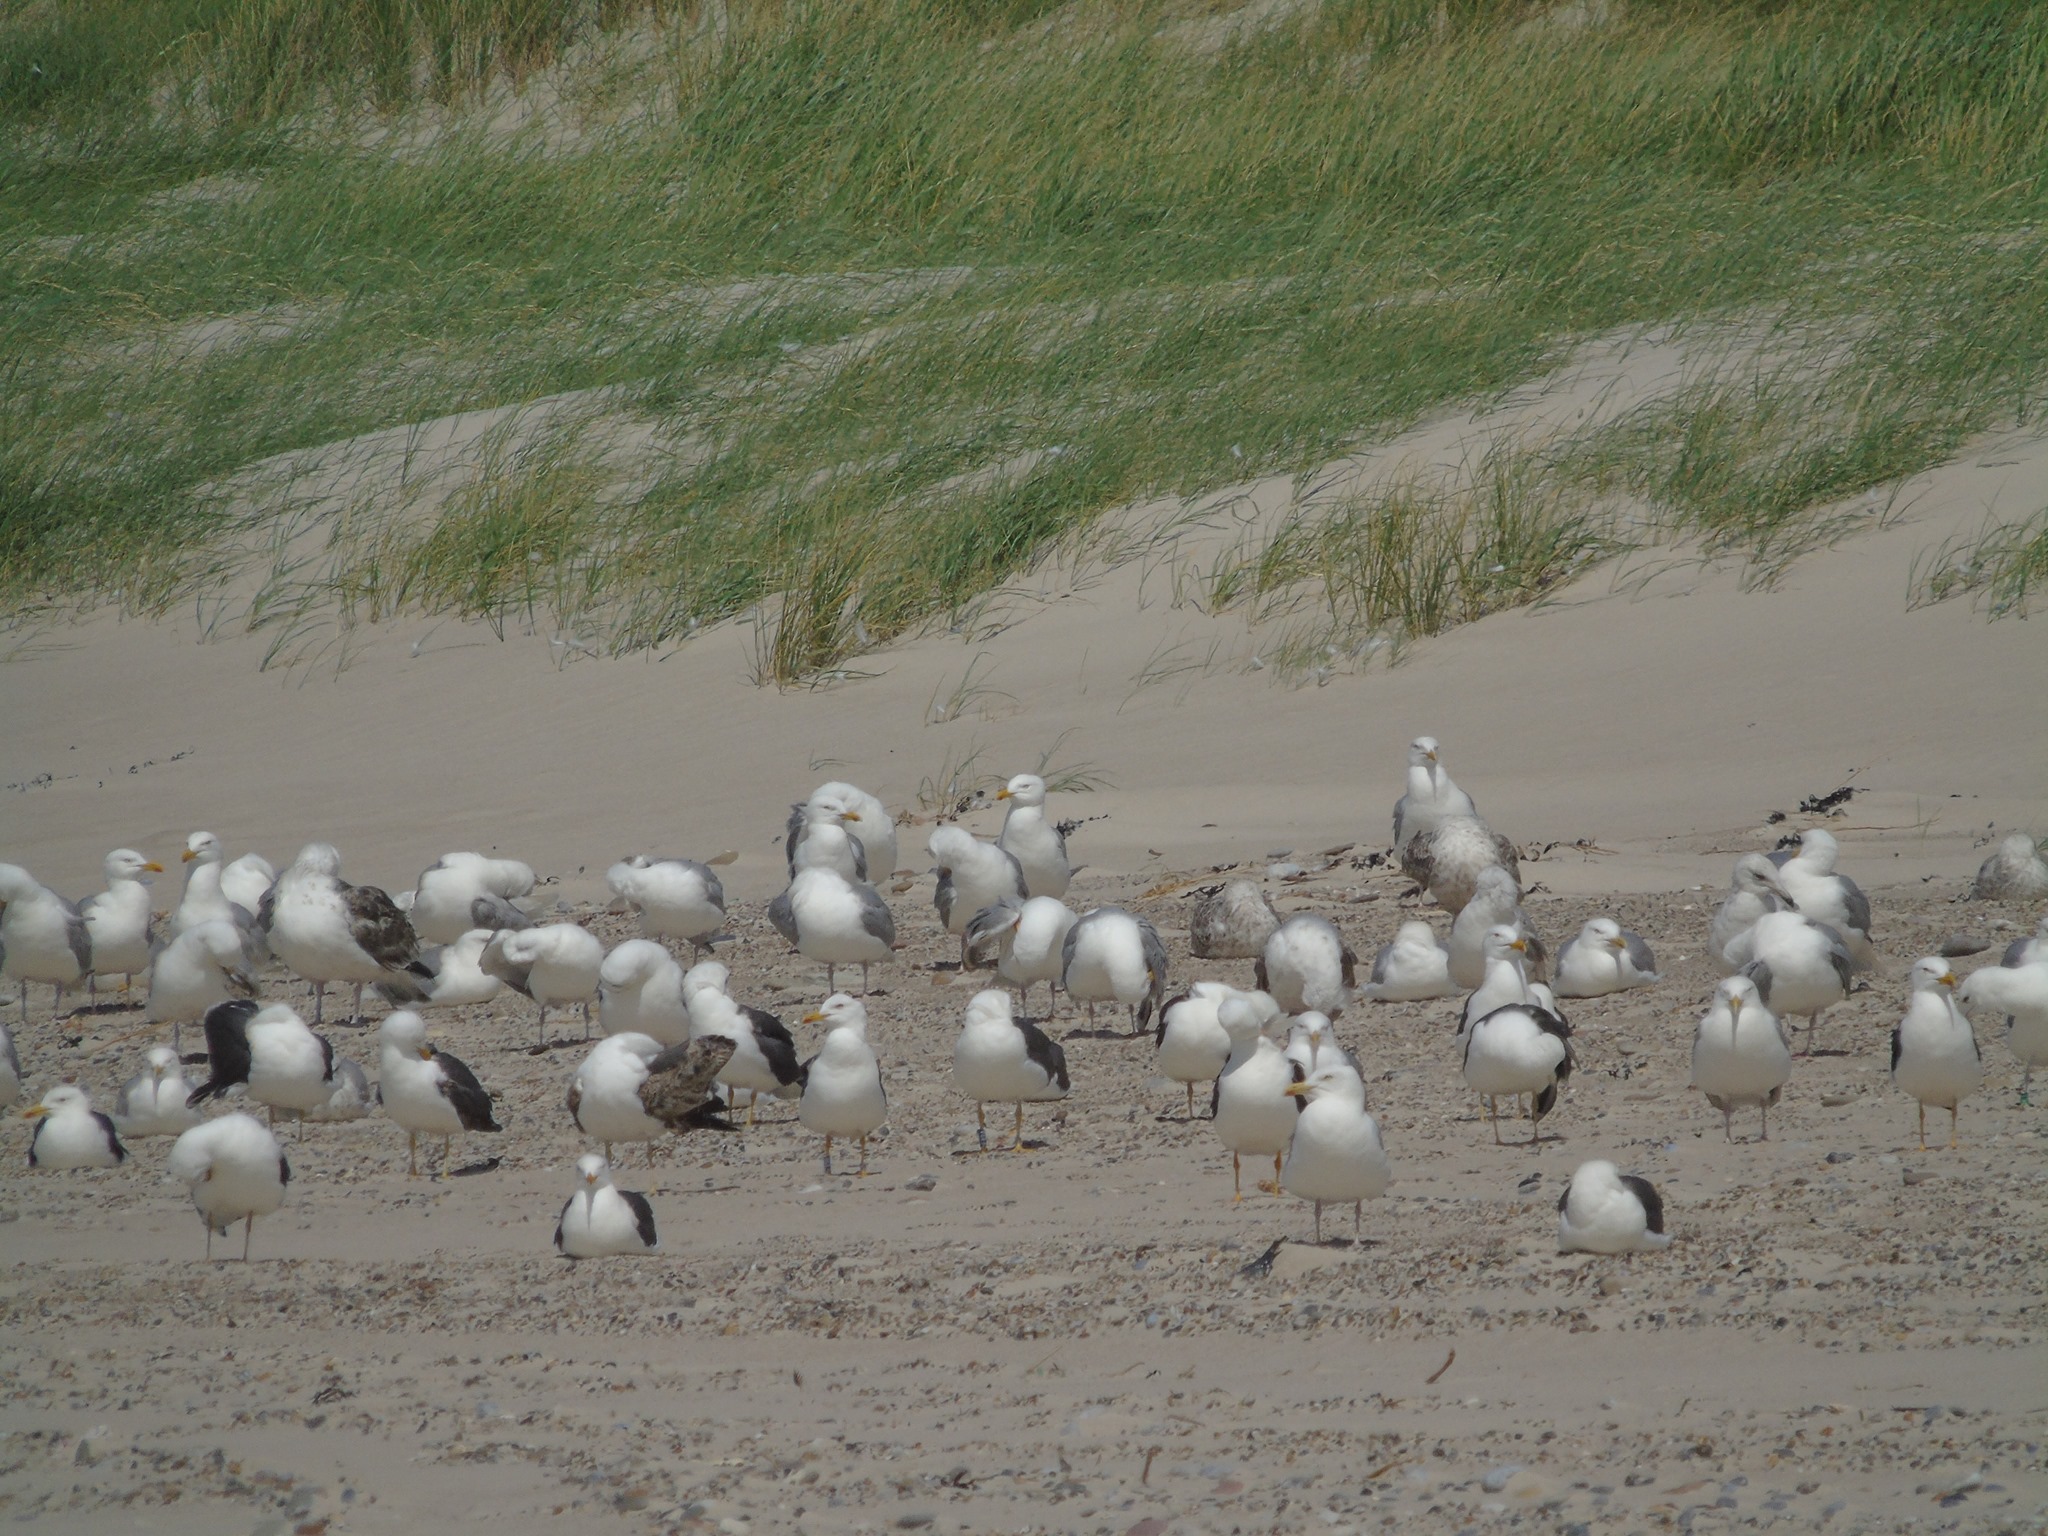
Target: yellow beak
[(1949, 980), (813, 1017), (187, 856), (426, 1053), (849, 815), (34, 1114), (153, 867), (1521, 944), (1002, 794), (1618, 942), (1296, 1090)]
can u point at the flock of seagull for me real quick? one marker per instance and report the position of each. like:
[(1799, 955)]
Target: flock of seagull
[(1789, 938)]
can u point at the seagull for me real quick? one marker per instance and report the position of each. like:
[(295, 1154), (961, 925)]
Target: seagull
[(1447, 860), (455, 976), (1826, 897), (10, 1070), (42, 936), (118, 921), (843, 1093), (604, 1096), (1935, 1056), (202, 966), (1431, 798), (600, 1221), (1334, 1155), (2019, 994), (1798, 965), (328, 930), (1002, 1059), (676, 898), (1306, 966), (1518, 1048), (268, 1049), (1414, 968), (70, 1133), (206, 898), (972, 875), (1114, 956), (1250, 1108), (831, 920), (640, 990), (2015, 872), (1038, 845), (764, 1058), (1740, 1054), (554, 964), (1506, 980), (1032, 938), (1312, 1045), (1604, 958), (154, 1101), (352, 1097), (1752, 891), (875, 826), (448, 889), (425, 1091), (827, 843), (236, 1172), (2025, 951), (1496, 899), (1604, 1210), (1193, 1045), (1232, 923)]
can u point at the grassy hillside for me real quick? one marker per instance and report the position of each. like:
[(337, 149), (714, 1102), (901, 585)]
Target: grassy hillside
[(857, 305)]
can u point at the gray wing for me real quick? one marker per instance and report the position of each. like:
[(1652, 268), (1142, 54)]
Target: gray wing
[(77, 935), (9, 1055), (1782, 856), (1838, 956), (1379, 964), (495, 912), (1639, 954), (795, 830), (943, 896), (875, 916), (1856, 904), (1067, 946), (860, 857), (1400, 813), (1017, 871), (990, 921), (1759, 973), (492, 962), (1538, 952), (1155, 964), (714, 888), (266, 909), (782, 914), (2014, 957)]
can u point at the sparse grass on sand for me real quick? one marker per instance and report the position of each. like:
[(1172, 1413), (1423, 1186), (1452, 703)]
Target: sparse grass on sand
[(843, 312)]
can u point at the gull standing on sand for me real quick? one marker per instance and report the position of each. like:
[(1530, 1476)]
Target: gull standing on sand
[(42, 937), (764, 1058), (1334, 1156), (1431, 797), (2017, 992), (267, 1049), (868, 818), (843, 1093), (676, 898), (1495, 900), (1035, 842), (425, 1091), (1192, 1043), (235, 1170), (1798, 965), (455, 976), (1032, 938), (1114, 956), (1232, 923), (555, 964), (118, 921), (2014, 872), (1935, 1056), (1412, 969), (70, 1133), (604, 1095), (603, 1222), (640, 991), (833, 921), (1447, 860), (999, 1058), (1306, 966), (1604, 957), (1516, 1049), (1604, 1210), (201, 967), (155, 1101), (972, 875), (1826, 897), (448, 888), (1741, 1054), (328, 930), (1753, 891), (1250, 1109)]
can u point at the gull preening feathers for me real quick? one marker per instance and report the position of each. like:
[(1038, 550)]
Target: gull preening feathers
[(1192, 1043), (269, 1051), (1521, 1048), (676, 898), (555, 964), (640, 991), (455, 976), (1307, 966), (1031, 939), (236, 1172), (1753, 891), (448, 888), (973, 874), (1114, 956), (763, 1059), (201, 967), (2016, 991)]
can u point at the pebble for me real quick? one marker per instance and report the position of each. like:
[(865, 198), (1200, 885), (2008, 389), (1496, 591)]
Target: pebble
[(1966, 941), (927, 1181), (1498, 1478)]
